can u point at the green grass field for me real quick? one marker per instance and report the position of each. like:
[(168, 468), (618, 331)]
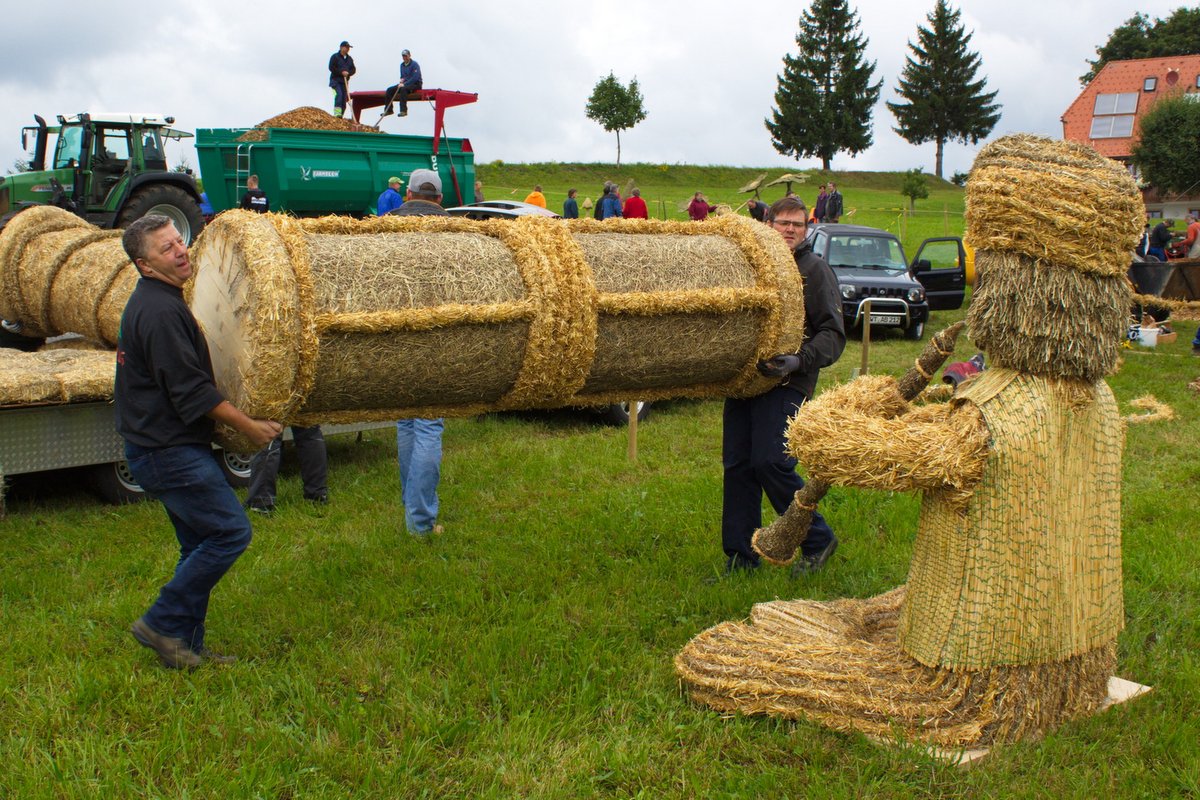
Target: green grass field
[(527, 651), (871, 198)]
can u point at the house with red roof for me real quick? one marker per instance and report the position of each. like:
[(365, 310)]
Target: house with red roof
[(1105, 115)]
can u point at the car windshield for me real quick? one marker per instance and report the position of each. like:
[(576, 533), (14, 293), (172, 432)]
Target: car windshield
[(866, 252)]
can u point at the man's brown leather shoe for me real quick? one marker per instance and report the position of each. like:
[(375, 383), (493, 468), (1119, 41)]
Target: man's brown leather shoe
[(172, 651)]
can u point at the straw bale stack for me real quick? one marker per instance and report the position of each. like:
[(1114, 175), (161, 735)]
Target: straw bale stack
[(1007, 625), (60, 274), (334, 319), (55, 376)]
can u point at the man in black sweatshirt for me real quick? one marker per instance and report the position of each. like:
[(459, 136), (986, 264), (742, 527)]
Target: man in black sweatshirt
[(166, 406), (752, 445)]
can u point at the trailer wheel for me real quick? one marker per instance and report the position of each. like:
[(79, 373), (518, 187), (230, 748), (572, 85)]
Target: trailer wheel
[(170, 201), (116, 485), (236, 467)]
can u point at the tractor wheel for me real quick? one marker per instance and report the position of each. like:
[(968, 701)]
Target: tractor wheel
[(170, 201)]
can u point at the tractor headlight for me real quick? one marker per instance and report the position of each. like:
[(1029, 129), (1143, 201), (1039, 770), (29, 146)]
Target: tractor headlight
[(916, 294), (848, 292)]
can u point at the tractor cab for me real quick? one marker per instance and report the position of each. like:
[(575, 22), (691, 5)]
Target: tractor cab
[(108, 168)]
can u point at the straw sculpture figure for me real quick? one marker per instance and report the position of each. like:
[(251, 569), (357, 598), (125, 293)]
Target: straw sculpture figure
[(1007, 625), (60, 274), (341, 320)]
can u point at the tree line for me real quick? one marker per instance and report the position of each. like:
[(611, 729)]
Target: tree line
[(826, 92)]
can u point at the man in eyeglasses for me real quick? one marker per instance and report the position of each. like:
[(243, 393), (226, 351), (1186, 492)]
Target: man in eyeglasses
[(752, 444)]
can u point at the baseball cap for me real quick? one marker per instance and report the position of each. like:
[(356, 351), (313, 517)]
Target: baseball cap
[(394, 179), (405, 53), (345, 44), (425, 180)]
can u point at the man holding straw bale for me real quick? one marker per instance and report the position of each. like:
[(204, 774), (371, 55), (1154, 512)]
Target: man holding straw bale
[(419, 441), (166, 406), (752, 445)]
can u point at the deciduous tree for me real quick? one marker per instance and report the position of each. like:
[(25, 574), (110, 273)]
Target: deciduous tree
[(616, 107), (946, 99), (825, 97), (1139, 37), (1166, 152), (914, 187)]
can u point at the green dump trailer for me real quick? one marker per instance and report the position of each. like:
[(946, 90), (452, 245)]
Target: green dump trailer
[(311, 173)]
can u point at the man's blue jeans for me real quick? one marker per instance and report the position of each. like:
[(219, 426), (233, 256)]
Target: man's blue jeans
[(419, 451), (210, 525)]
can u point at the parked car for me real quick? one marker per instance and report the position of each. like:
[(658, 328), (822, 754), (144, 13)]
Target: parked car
[(499, 209), (870, 265), (615, 414)]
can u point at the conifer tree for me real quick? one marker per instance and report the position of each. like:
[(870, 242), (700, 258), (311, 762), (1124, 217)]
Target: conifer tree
[(945, 100), (825, 95)]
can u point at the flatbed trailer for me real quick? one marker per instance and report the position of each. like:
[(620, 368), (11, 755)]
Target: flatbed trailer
[(39, 438)]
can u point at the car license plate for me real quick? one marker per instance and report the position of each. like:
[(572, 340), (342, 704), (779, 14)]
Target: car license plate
[(885, 319)]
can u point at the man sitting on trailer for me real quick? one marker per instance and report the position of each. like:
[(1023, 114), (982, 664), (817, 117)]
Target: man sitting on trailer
[(410, 81)]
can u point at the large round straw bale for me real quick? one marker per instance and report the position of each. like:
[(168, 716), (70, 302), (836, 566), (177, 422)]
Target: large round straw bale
[(341, 320), (39, 268), (112, 306), (20, 235), (1045, 199), (82, 284)]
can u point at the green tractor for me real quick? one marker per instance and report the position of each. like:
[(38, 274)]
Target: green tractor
[(109, 169)]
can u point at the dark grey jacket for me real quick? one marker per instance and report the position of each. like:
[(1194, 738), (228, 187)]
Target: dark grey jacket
[(824, 331)]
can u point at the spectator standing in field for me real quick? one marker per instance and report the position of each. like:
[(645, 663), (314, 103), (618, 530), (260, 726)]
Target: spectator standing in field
[(410, 81), (752, 444), (610, 204), (635, 206), (699, 208), (1191, 241), (536, 198), (255, 199), (166, 404), (571, 205), (390, 199), (419, 441), (833, 206), (341, 68), (757, 209), (1160, 237), (478, 191), (264, 469), (822, 201)]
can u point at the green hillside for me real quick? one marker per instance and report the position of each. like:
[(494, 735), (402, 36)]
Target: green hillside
[(871, 198)]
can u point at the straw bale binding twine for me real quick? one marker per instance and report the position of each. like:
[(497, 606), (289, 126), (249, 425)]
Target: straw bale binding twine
[(1007, 624)]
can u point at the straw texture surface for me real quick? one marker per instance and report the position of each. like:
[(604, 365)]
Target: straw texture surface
[(444, 316), (57, 271), (55, 376), (1048, 200)]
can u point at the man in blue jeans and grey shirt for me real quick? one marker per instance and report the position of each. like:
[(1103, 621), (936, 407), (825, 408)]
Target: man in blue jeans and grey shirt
[(166, 407)]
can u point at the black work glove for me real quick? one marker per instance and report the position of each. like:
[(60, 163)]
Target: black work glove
[(779, 366)]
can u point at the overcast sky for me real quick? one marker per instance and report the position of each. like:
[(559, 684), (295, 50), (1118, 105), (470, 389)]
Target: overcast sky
[(707, 68)]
